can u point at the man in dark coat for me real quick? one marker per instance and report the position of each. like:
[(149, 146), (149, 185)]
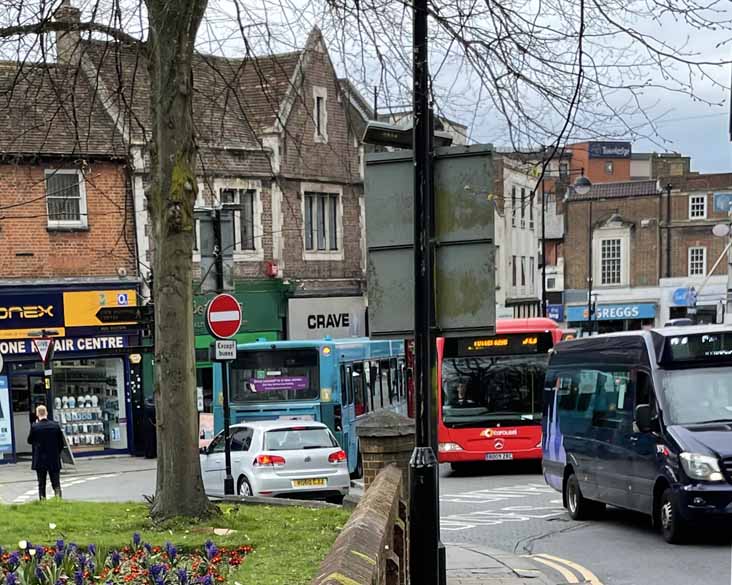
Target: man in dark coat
[(48, 442)]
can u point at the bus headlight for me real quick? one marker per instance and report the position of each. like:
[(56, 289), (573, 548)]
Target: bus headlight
[(701, 467), (448, 447)]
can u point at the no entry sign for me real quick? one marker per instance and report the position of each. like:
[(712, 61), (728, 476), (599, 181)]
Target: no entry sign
[(223, 316)]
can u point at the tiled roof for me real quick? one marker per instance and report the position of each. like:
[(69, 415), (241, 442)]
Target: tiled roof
[(617, 190), (234, 99), (48, 109)]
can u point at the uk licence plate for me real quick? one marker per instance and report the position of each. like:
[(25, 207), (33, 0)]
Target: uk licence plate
[(498, 456), (313, 482)]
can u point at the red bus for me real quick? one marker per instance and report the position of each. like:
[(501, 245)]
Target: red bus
[(490, 394)]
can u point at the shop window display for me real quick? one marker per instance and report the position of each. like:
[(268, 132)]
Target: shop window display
[(89, 403)]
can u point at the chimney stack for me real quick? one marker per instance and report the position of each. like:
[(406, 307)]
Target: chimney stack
[(68, 50)]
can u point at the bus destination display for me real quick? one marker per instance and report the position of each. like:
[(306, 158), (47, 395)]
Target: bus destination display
[(508, 344), (698, 347)]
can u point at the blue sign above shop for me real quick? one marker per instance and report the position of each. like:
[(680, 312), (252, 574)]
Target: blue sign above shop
[(684, 297), (614, 312), (555, 312), (723, 202)]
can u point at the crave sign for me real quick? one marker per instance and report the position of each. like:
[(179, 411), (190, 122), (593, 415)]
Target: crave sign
[(223, 316)]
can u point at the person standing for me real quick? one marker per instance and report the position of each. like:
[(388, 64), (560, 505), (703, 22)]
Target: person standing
[(48, 442)]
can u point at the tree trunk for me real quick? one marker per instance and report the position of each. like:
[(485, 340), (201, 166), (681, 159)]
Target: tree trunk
[(173, 27)]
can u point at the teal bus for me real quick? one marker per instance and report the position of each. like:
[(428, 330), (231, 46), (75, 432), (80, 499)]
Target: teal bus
[(334, 381)]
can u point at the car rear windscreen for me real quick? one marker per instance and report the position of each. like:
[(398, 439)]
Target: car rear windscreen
[(290, 439)]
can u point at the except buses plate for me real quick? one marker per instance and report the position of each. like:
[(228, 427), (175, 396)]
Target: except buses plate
[(498, 456), (314, 482)]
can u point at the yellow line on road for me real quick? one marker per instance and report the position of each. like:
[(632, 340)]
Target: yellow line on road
[(588, 575), (564, 572)]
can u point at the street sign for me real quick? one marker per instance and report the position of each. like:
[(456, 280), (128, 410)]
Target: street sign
[(199, 398), (42, 346), (125, 314), (224, 350), (223, 316)]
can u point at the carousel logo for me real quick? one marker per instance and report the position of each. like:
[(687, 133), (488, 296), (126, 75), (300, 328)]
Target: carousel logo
[(29, 312), (488, 433)]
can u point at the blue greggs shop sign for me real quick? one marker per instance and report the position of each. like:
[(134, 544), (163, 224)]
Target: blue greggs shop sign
[(614, 312)]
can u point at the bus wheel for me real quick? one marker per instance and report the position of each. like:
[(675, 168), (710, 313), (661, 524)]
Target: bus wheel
[(358, 472), (673, 526), (578, 506)]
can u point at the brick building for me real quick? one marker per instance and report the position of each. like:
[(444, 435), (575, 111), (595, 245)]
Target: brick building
[(67, 228), (277, 146), (641, 262)]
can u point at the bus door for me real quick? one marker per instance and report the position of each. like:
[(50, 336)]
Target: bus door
[(348, 413)]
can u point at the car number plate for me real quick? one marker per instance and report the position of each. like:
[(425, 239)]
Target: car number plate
[(316, 481), (498, 456)]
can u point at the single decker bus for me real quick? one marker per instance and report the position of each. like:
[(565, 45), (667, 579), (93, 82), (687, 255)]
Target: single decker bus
[(490, 395)]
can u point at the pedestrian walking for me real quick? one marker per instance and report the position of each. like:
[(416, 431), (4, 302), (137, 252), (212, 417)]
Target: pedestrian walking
[(48, 442)]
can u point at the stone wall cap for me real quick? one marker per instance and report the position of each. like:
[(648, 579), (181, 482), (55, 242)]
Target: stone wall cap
[(385, 423)]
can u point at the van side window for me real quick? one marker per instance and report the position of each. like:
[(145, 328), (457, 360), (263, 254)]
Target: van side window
[(574, 402), (644, 391), (613, 400)]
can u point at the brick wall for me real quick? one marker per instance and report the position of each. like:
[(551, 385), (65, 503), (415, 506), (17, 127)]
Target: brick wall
[(643, 240), (35, 251)]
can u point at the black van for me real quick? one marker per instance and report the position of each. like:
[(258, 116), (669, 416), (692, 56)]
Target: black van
[(643, 420)]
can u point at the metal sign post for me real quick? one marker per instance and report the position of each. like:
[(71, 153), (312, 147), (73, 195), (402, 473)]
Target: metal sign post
[(223, 319)]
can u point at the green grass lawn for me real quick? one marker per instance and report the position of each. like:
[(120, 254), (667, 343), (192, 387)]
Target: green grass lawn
[(288, 542)]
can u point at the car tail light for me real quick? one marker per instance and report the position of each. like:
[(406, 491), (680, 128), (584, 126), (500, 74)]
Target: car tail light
[(337, 457), (273, 460)]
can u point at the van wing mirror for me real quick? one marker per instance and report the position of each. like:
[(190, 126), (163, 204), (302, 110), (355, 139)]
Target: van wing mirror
[(643, 418)]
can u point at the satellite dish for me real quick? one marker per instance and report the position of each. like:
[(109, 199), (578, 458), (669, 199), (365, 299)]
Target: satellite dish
[(721, 230)]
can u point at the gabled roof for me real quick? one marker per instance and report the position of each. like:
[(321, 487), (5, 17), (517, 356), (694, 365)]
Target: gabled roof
[(616, 190), (50, 110), (233, 100)]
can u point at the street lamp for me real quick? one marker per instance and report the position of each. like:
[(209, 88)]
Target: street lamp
[(582, 186)]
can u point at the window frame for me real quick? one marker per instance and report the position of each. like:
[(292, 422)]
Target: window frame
[(523, 270), (613, 233), (689, 261), (523, 208), (515, 271), (609, 167), (255, 187), (334, 195), (532, 196), (513, 206), (695, 198), (618, 259), (320, 122), (61, 224)]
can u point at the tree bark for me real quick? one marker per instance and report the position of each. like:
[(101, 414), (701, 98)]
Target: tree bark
[(173, 28)]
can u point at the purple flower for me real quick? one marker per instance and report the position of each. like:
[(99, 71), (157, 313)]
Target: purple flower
[(211, 549), (40, 575), (136, 539), (79, 578), (157, 572), (148, 548), (60, 544), (58, 557), (116, 558), (207, 580), (82, 561), (182, 576), (72, 547), (92, 548), (13, 560), (171, 550), (11, 579), (40, 551)]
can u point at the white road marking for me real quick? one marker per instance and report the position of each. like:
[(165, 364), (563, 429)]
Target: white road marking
[(455, 522), (65, 483)]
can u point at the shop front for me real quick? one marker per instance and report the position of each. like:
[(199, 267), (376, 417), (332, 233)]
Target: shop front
[(611, 317), (92, 380), (318, 317)]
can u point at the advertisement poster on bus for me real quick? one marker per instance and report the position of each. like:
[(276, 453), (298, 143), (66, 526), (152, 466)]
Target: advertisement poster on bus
[(6, 416), (279, 383)]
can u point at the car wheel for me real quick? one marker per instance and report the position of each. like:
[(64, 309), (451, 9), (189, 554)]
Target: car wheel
[(673, 525), (578, 506), (335, 500), (244, 488)]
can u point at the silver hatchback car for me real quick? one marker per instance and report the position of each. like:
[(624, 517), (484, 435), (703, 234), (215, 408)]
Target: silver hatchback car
[(286, 458)]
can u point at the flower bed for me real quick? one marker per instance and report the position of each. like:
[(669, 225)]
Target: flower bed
[(139, 563)]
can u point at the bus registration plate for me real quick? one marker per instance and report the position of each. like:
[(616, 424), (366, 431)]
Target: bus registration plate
[(498, 456), (314, 482)]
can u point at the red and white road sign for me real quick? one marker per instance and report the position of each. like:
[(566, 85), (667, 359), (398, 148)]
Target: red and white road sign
[(223, 316), (42, 346)]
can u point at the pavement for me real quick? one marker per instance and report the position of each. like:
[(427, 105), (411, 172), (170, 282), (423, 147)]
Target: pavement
[(477, 565)]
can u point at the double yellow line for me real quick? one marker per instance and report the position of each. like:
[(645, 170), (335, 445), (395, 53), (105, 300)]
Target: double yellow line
[(567, 569)]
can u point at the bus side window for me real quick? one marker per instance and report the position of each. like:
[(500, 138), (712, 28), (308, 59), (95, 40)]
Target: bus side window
[(349, 385), (359, 389), (391, 381), (344, 386), (373, 376)]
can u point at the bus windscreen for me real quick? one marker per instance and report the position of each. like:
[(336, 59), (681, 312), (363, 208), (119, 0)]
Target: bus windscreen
[(275, 375), (485, 391)]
